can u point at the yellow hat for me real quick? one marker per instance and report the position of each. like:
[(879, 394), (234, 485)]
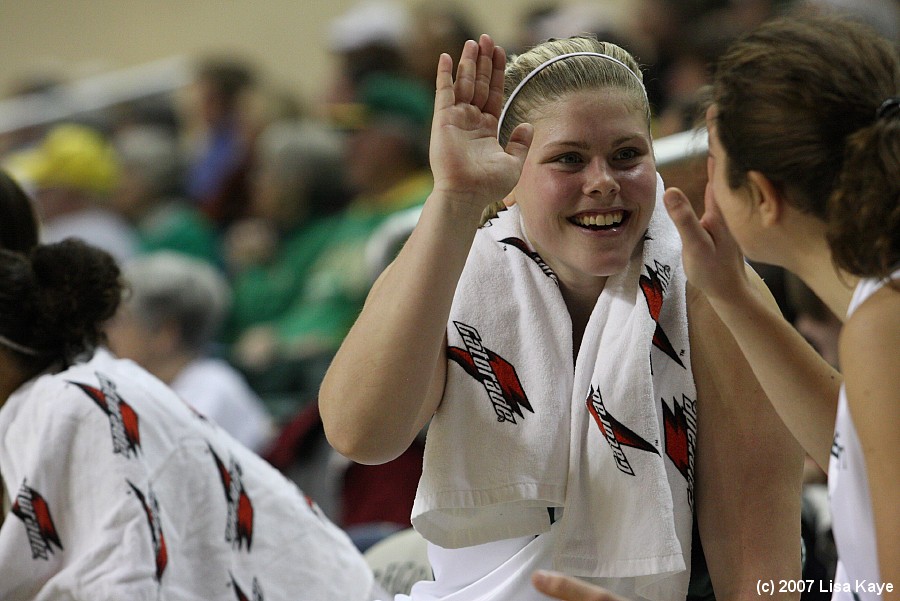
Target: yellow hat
[(70, 156)]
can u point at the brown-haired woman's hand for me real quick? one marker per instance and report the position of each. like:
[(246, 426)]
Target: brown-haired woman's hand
[(468, 163), (712, 258), (567, 588)]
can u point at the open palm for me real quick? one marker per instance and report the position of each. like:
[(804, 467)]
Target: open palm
[(467, 161)]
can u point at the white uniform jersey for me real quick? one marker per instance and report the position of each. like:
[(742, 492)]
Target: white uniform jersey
[(848, 488), (219, 392)]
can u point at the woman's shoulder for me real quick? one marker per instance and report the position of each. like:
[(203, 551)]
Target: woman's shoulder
[(80, 387), (50, 406), (874, 325), (52, 389)]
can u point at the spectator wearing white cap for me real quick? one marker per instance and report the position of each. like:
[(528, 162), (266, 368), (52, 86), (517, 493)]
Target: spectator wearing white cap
[(368, 38)]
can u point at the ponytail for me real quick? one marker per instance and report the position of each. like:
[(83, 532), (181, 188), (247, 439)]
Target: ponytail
[(865, 203)]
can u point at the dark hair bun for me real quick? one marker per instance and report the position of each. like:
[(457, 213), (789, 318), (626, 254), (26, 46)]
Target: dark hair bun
[(77, 289)]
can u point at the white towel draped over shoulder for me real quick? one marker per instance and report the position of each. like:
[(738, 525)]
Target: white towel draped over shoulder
[(609, 438)]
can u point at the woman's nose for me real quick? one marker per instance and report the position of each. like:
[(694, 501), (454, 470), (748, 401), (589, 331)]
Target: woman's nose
[(599, 179)]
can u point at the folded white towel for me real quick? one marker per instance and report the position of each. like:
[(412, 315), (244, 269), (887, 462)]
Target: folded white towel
[(610, 438)]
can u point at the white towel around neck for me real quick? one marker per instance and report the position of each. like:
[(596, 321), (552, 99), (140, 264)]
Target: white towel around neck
[(610, 438)]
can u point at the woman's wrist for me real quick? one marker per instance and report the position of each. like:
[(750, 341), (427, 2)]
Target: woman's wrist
[(458, 207), (743, 301)]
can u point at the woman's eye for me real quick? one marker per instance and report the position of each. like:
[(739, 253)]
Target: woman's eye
[(627, 154), (569, 159)]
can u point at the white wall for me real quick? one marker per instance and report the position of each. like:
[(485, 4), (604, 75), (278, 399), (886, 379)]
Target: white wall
[(286, 38)]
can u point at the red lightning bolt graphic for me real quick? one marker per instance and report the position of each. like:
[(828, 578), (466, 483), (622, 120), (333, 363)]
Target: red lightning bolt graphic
[(130, 421), (622, 433), (245, 519), (653, 292), (505, 372), (676, 437)]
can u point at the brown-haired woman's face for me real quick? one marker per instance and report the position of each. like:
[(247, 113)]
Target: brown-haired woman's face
[(736, 207)]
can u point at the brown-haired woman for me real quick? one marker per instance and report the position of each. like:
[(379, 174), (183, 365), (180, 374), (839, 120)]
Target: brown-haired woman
[(804, 166)]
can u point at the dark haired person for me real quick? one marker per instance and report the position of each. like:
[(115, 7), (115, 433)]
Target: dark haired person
[(113, 488), (18, 226)]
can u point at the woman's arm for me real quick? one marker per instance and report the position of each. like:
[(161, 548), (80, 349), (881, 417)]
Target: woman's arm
[(802, 387), (388, 376), (871, 364), (748, 466)]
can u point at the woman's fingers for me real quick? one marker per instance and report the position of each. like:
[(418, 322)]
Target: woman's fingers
[(712, 218), (443, 95), (494, 103), (567, 588), (520, 140), (483, 70), (714, 223), (694, 238), (479, 75), (464, 87)]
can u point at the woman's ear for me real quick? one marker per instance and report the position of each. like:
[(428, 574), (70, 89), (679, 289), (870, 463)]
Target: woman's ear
[(510, 199), (767, 198)]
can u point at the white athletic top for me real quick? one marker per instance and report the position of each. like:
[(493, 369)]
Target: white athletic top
[(219, 392), (498, 570), (848, 488), (119, 490), (97, 226)]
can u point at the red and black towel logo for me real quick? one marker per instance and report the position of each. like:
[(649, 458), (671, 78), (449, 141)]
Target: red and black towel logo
[(151, 510), (313, 506), (32, 509), (241, 595), (123, 421), (681, 438), (495, 373), (653, 286), (520, 244), (239, 525), (616, 434)]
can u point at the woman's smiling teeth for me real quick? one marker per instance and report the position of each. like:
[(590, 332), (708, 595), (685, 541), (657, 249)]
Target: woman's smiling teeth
[(595, 220)]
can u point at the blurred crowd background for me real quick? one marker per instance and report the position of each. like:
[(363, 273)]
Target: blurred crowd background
[(254, 178)]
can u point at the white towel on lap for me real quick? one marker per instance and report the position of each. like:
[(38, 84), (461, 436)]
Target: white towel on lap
[(609, 438)]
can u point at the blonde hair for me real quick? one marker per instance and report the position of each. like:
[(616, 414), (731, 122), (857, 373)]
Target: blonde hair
[(573, 74)]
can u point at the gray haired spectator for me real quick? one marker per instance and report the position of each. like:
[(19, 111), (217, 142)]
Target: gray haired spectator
[(149, 194), (304, 160), (174, 308), (299, 182), (151, 165)]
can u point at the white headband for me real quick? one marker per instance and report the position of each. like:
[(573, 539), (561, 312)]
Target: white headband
[(17, 347), (549, 62)]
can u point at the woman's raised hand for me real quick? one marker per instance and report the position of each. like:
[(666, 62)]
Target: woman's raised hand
[(712, 258), (468, 163)]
